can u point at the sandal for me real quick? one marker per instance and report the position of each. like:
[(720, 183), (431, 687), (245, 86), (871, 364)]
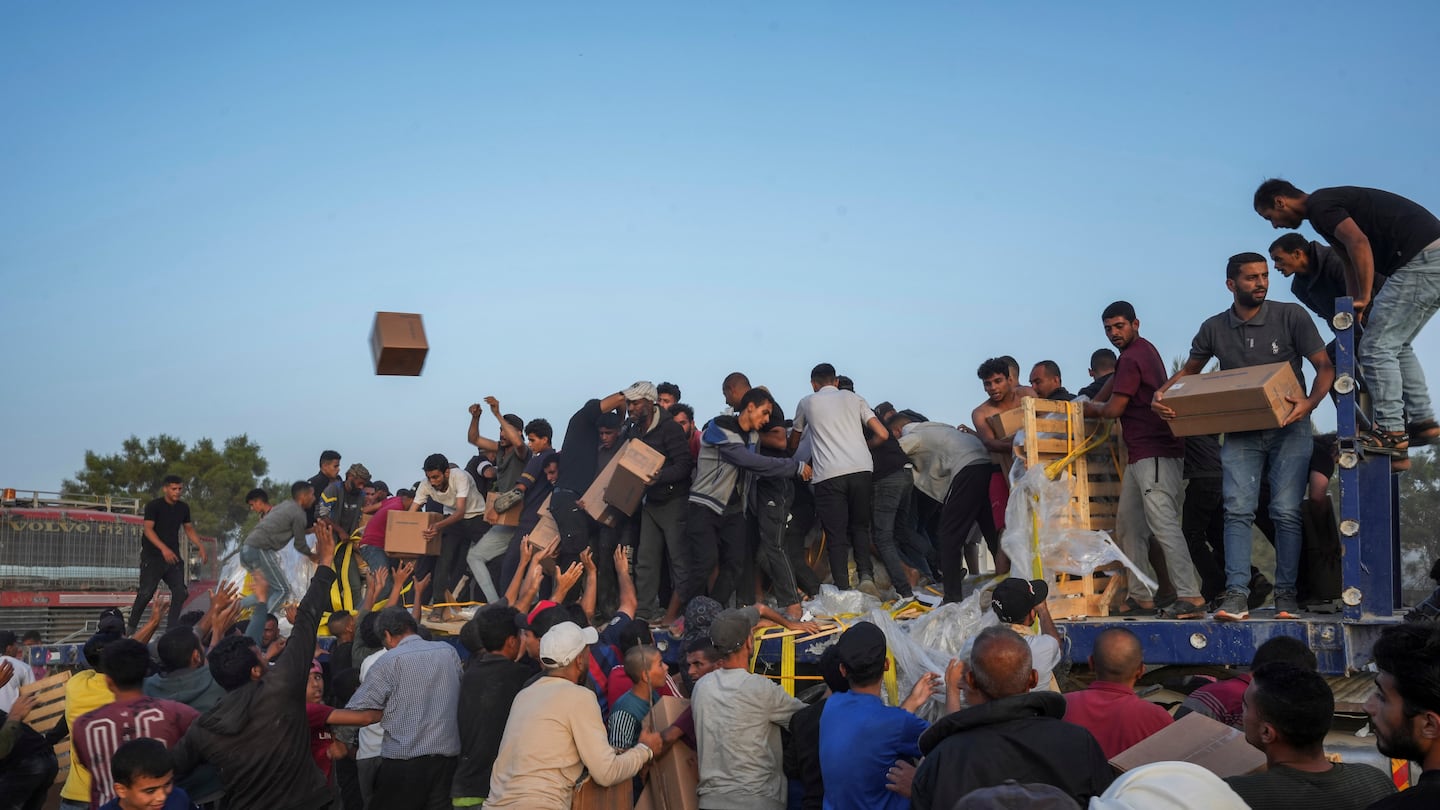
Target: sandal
[(1424, 432), (1134, 609), (1376, 440), (1182, 609)]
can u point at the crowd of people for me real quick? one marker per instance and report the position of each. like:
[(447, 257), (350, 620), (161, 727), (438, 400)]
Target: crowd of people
[(562, 669)]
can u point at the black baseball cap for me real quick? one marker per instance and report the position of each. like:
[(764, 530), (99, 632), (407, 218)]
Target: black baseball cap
[(1013, 599), (861, 647)]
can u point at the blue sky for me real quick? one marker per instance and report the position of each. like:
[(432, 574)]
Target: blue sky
[(202, 205)]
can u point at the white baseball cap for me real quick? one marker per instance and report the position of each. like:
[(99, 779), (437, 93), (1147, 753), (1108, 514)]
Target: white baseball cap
[(564, 642)]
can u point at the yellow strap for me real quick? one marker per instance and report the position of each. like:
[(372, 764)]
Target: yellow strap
[(787, 665), (340, 595), (892, 686)]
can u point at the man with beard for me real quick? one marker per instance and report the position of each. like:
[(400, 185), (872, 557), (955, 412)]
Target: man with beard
[(1405, 708), (1255, 331)]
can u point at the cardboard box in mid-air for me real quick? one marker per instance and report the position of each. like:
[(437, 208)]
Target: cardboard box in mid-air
[(1233, 400), (621, 485), (397, 343)]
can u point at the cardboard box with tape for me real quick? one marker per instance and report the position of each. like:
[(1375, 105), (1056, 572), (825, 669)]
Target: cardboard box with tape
[(1233, 400), (674, 777), (403, 536), (621, 485)]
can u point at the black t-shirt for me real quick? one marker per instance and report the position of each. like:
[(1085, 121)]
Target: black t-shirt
[(581, 449), (1396, 227), (777, 420), (319, 482), (888, 458), (169, 518), (1202, 457)]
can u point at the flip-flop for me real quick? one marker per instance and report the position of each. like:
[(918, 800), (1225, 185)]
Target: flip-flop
[(1134, 609)]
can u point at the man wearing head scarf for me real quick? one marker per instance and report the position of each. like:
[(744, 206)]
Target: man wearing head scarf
[(662, 519)]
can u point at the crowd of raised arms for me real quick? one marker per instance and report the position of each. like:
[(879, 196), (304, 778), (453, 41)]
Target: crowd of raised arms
[(629, 642)]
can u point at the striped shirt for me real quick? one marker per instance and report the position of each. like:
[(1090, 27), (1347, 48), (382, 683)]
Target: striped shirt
[(417, 688)]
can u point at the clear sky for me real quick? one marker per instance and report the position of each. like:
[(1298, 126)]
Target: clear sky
[(202, 205)]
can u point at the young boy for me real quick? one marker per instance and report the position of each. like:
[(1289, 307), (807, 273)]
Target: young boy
[(646, 670), (145, 778)]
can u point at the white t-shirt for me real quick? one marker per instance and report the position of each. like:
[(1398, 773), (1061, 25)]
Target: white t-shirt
[(10, 691), (834, 423), (373, 735), (461, 486), (1044, 656)]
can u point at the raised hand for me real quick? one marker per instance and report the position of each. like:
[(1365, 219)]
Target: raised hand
[(475, 410), (565, 580), (403, 572), (587, 559)]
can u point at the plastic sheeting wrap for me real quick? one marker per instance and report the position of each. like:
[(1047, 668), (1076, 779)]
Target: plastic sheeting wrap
[(952, 627), (834, 602), (912, 660), (1062, 551), (297, 567)]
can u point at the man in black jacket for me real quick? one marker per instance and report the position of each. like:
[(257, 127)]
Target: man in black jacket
[(662, 520), (1006, 732), (258, 734), (492, 680)]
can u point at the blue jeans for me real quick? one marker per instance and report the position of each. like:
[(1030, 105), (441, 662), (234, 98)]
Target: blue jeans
[(268, 563), (1243, 457), (890, 501), (1402, 308)]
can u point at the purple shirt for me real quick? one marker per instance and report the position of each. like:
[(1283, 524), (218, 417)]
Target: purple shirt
[(1138, 372)]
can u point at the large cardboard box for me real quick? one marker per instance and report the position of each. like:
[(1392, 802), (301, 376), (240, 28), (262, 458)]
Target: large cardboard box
[(589, 795), (674, 777), (622, 483), (1232, 401), (1212, 745), (546, 534), (397, 342), (1006, 423), (510, 517), (402, 534)]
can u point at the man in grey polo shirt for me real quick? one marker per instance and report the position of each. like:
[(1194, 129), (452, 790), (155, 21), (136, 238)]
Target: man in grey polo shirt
[(834, 422), (1253, 332)]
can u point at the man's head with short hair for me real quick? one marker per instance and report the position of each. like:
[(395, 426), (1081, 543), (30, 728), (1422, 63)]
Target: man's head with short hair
[(643, 665), (179, 649), (394, 624), (701, 658), (754, 409), (272, 629), (31, 637), (823, 375), (734, 387), (685, 415), (995, 376), (341, 625), (1284, 649), (9, 643), (1045, 377), (1291, 254), (1287, 707), (127, 662), (1247, 275), (667, 394), (235, 661), (844, 383), (258, 500), (303, 493), (1117, 657), (1120, 324), (539, 435), (609, 426), (1280, 203), (143, 774), (170, 488), (330, 464), (1102, 362), (1404, 710), (1000, 666), (497, 629)]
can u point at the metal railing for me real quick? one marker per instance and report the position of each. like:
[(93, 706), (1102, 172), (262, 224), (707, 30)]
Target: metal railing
[(37, 499)]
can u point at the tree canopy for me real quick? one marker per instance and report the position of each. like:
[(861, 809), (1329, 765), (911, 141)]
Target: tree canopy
[(216, 478)]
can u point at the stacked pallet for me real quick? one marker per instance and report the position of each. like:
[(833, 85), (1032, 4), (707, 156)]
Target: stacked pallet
[(48, 712)]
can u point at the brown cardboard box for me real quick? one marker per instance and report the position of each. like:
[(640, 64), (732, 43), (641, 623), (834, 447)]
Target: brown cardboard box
[(397, 342), (402, 534), (1006, 423), (674, 777), (510, 517), (1234, 400), (1212, 745), (589, 795), (621, 484), (546, 534)]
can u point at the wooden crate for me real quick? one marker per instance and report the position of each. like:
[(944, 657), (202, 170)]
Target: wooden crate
[(48, 712), (1080, 597), (1054, 430)]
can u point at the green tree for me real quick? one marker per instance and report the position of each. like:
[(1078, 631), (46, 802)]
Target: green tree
[(1419, 521), (216, 477)]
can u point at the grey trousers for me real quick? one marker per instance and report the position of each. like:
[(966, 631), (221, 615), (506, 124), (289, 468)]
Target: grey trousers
[(662, 528), (1150, 503)]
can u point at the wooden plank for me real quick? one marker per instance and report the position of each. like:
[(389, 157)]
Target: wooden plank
[(49, 701), (1104, 489)]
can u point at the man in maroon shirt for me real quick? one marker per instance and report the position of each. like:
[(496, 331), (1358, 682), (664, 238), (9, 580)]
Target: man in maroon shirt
[(1109, 708), (99, 733), (1155, 474)]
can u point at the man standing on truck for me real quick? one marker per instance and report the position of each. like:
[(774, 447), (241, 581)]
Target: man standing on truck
[(160, 556)]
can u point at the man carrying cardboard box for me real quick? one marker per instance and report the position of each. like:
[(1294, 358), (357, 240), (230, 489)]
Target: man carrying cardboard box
[(463, 523), (1255, 331), (581, 453), (662, 518), (1150, 494)]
